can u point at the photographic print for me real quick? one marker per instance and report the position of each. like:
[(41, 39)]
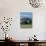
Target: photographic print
[(26, 19)]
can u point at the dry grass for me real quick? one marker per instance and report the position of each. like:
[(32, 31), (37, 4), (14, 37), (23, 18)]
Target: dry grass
[(26, 26)]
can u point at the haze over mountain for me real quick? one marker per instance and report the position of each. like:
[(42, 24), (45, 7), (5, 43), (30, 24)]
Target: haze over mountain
[(26, 15)]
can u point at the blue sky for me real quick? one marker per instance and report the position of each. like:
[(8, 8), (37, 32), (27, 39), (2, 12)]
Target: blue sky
[(26, 14)]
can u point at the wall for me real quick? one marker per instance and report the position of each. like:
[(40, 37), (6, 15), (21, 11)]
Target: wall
[(45, 28), (12, 8)]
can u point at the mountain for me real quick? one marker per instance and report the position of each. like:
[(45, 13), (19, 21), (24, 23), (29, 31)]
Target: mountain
[(26, 20)]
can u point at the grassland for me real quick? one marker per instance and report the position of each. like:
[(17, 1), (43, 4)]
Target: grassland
[(26, 26)]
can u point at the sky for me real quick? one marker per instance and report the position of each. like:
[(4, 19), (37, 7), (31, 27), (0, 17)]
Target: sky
[(26, 14)]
